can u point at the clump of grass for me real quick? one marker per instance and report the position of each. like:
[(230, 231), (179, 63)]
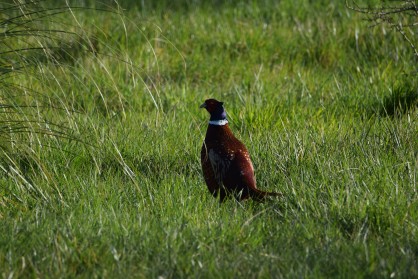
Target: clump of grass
[(25, 130), (29, 42), (402, 100), (40, 112)]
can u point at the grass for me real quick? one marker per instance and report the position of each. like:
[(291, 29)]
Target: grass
[(106, 181)]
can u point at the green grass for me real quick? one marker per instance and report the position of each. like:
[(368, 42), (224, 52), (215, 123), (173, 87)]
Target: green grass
[(107, 182)]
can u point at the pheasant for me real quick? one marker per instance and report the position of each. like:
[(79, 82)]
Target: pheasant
[(225, 160)]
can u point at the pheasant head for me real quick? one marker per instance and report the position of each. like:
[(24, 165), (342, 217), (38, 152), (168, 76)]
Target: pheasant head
[(216, 111)]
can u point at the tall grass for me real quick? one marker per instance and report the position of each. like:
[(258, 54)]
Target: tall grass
[(56, 79), (27, 46)]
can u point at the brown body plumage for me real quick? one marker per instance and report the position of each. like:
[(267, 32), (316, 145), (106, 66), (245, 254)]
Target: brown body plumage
[(226, 163)]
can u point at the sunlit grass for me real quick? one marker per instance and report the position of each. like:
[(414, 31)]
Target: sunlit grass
[(106, 180)]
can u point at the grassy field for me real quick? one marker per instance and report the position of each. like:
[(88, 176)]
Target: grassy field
[(100, 137)]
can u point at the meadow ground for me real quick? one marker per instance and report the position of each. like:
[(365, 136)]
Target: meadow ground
[(101, 134)]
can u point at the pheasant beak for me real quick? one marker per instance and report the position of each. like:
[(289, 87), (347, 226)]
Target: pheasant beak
[(203, 105)]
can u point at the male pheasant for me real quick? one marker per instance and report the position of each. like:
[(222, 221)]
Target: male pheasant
[(226, 163)]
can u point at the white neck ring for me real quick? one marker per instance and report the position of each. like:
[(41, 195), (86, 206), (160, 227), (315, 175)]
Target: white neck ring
[(218, 122)]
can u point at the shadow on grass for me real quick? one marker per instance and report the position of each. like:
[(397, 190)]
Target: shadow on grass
[(401, 101)]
